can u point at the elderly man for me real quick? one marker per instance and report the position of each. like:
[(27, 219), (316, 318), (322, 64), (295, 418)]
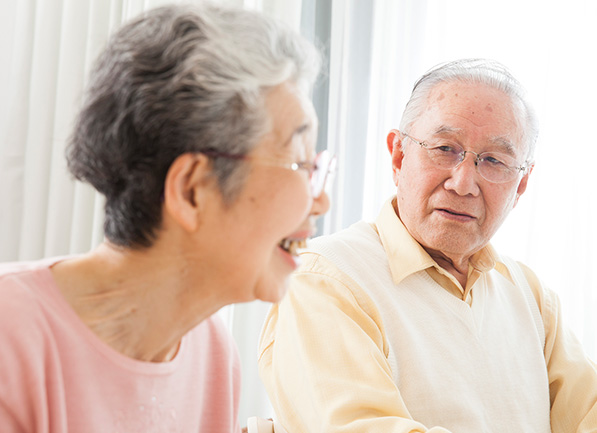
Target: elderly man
[(415, 323)]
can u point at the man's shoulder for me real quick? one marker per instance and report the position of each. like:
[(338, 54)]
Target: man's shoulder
[(538, 288), (546, 298), (348, 253), (354, 238)]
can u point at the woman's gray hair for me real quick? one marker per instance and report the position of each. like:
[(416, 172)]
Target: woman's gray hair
[(179, 79), (476, 71)]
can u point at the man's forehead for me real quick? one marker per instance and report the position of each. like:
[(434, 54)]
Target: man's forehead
[(454, 89), (456, 108)]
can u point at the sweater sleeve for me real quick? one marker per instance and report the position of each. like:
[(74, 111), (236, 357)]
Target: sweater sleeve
[(572, 375), (324, 359)]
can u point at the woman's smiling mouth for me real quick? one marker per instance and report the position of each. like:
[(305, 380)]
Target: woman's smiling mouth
[(292, 246)]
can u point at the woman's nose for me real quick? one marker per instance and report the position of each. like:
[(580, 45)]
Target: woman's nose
[(320, 204)]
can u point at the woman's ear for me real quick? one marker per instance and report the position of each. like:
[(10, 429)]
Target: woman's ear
[(394, 143), (185, 189)]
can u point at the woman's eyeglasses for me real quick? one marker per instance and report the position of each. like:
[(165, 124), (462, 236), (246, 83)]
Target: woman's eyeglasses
[(320, 169)]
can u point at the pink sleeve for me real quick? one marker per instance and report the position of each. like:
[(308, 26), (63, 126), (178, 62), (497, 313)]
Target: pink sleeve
[(28, 362)]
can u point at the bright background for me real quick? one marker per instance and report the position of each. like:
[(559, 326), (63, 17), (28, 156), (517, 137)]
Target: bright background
[(375, 51)]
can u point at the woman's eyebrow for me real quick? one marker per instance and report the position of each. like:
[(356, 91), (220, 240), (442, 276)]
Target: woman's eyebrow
[(298, 131)]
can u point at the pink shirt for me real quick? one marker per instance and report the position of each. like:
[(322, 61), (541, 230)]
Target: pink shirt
[(57, 376)]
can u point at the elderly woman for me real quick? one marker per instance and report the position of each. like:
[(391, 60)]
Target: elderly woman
[(197, 129)]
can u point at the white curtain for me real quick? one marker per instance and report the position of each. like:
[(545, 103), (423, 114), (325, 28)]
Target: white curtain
[(377, 48)]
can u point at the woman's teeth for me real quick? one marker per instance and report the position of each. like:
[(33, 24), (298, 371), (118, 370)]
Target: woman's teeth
[(293, 245)]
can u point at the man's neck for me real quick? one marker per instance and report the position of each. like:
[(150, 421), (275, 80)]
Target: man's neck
[(457, 267)]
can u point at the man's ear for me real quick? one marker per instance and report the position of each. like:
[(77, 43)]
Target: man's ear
[(394, 143), (522, 186), (185, 189)]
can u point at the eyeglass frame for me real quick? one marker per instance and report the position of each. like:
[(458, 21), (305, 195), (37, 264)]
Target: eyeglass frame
[(478, 157), (310, 167)]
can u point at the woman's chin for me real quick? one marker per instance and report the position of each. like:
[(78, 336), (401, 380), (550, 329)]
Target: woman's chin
[(274, 291), (290, 260)]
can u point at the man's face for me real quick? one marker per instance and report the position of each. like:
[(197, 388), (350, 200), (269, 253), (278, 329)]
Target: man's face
[(455, 212)]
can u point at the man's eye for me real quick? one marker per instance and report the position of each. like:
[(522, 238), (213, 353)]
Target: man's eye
[(494, 160), (446, 147)]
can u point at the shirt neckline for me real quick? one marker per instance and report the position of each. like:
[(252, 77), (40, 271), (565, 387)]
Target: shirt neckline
[(45, 279)]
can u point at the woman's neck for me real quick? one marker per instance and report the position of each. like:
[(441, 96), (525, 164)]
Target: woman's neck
[(139, 302)]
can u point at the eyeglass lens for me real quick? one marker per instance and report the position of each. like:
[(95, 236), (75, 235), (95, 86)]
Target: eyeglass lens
[(494, 167), (323, 166)]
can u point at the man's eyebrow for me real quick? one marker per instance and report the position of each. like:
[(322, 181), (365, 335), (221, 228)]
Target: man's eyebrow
[(445, 129), (505, 145)]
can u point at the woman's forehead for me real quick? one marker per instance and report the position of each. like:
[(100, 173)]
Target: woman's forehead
[(292, 119)]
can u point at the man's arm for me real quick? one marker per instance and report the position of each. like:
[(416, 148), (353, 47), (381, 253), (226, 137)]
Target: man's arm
[(572, 375), (324, 360)]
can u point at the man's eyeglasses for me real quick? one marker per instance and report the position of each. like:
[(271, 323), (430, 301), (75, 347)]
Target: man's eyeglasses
[(494, 167), (322, 167)]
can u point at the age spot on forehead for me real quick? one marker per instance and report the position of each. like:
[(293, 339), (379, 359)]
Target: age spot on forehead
[(489, 108), (441, 96)]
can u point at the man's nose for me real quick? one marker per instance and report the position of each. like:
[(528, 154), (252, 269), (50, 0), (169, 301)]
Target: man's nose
[(463, 157), (463, 178)]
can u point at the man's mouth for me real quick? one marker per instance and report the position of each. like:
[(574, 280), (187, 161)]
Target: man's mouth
[(452, 212), (292, 246)]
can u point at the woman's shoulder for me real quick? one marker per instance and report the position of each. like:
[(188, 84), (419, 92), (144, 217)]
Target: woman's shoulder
[(18, 288), (27, 348), (27, 293), (23, 287), (24, 278)]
